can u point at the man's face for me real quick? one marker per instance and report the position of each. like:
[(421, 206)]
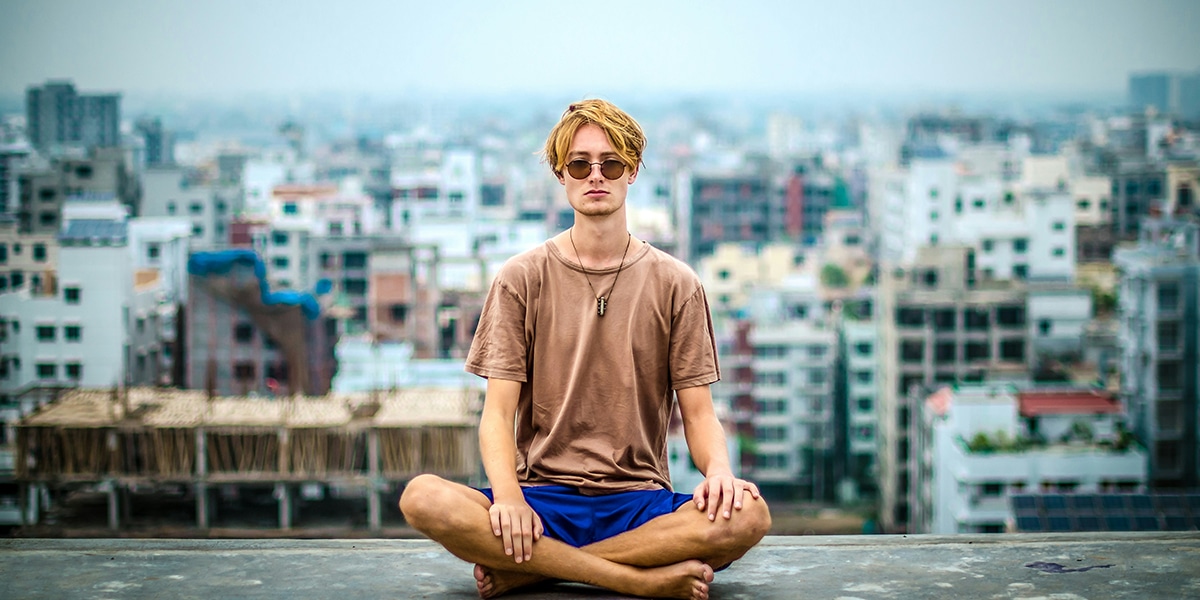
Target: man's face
[(595, 195)]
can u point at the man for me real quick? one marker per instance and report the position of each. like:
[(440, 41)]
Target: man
[(583, 340)]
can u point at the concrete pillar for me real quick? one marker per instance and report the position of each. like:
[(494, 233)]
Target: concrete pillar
[(114, 502), (202, 510), (284, 493), (374, 484)]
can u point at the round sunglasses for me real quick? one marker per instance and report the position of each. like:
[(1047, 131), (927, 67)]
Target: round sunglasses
[(610, 169)]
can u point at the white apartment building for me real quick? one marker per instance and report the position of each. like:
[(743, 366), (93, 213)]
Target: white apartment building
[(1018, 234), (446, 185), (161, 244), (78, 332), (861, 352), (180, 193), (981, 444), (25, 258), (1159, 333), (335, 212), (793, 365)]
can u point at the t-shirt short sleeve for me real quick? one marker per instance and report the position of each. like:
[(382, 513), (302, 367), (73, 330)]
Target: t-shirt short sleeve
[(499, 347), (693, 348)]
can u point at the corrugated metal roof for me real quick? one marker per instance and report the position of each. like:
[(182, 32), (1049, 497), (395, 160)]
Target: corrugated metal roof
[(94, 229), (1067, 402)]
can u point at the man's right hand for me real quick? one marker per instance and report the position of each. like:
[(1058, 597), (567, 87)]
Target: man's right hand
[(515, 523)]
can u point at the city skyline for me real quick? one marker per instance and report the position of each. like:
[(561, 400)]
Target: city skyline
[(931, 46)]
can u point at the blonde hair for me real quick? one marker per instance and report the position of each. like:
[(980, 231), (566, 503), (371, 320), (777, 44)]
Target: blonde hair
[(623, 132)]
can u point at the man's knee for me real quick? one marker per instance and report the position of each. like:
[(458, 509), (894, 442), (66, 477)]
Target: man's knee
[(745, 529), (420, 496)]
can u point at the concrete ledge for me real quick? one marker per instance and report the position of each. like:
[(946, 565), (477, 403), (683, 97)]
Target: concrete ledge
[(1064, 566)]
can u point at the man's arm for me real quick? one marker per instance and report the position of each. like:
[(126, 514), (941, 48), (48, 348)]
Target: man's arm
[(705, 437), (512, 519)]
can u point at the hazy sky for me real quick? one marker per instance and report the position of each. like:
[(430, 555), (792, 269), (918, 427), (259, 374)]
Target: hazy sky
[(596, 47)]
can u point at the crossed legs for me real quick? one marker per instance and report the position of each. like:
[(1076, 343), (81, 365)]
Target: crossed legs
[(669, 556)]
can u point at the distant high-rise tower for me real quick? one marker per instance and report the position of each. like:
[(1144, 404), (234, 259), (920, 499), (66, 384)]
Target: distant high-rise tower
[(58, 117), (159, 146), (1169, 93)]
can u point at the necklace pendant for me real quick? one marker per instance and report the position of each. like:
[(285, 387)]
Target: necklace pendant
[(601, 305)]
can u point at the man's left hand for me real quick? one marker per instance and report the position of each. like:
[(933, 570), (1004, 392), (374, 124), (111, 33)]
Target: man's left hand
[(724, 493)]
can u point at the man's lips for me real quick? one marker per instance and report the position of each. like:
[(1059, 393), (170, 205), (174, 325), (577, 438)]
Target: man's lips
[(596, 193)]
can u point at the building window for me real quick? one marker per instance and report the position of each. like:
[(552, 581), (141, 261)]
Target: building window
[(47, 219), (243, 371), (399, 313), (280, 262), (1168, 297), (1083, 204), (1060, 252), (289, 208), (3, 253), (1059, 226), (74, 371), (170, 208), (979, 203), (73, 333), (1013, 350), (197, 230), (864, 348), (864, 376), (816, 377), (196, 208), (71, 295), (1168, 336), (1010, 316), (39, 253), (912, 351), (45, 333), (243, 333), (944, 319), (865, 404), (152, 251), (816, 351), (866, 433), (910, 317), (723, 274), (355, 287), (1044, 327), (1020, 272), (988, 245), (1020, 245), (944, 352), (977, 351), (47, 370), (279, 238), (355, 260)]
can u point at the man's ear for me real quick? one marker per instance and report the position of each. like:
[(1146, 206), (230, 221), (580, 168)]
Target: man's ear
[(561, 180), (633, 176)]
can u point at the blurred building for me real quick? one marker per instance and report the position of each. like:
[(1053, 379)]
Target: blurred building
[(176, 192), (158, 145), (58, 117), (43, 189), (940, 324), (1159, 308), (1166, 92), (977, 446)]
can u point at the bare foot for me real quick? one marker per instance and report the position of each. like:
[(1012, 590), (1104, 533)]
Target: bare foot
[(688, 579), (491, 584)]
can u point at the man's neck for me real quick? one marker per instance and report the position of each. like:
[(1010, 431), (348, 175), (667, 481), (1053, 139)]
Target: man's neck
[(597, 243)]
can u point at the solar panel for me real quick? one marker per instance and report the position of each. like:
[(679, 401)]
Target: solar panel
[(1088, 523), (1171, 504), (1058, 524), (1177, 523), (1142, 503), (1193, 502), (1082, 503), (1029, 523), (1024, 504), (1112, 503), (1055, 503), (1117, 523), (1146, 523)]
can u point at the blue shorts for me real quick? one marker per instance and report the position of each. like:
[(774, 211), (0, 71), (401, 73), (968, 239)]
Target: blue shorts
[(578, 520)]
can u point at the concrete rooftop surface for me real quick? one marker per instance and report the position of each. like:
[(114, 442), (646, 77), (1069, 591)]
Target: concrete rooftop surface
[(1008, 566)]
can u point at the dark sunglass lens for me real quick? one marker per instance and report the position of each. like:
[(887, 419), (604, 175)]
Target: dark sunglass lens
[(612, 169), (579, 169)]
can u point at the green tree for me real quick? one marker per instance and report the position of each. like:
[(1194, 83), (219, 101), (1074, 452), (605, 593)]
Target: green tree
[(833, 276)]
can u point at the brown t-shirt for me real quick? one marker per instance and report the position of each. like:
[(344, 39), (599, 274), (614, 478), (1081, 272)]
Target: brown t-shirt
[(597, 391)]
